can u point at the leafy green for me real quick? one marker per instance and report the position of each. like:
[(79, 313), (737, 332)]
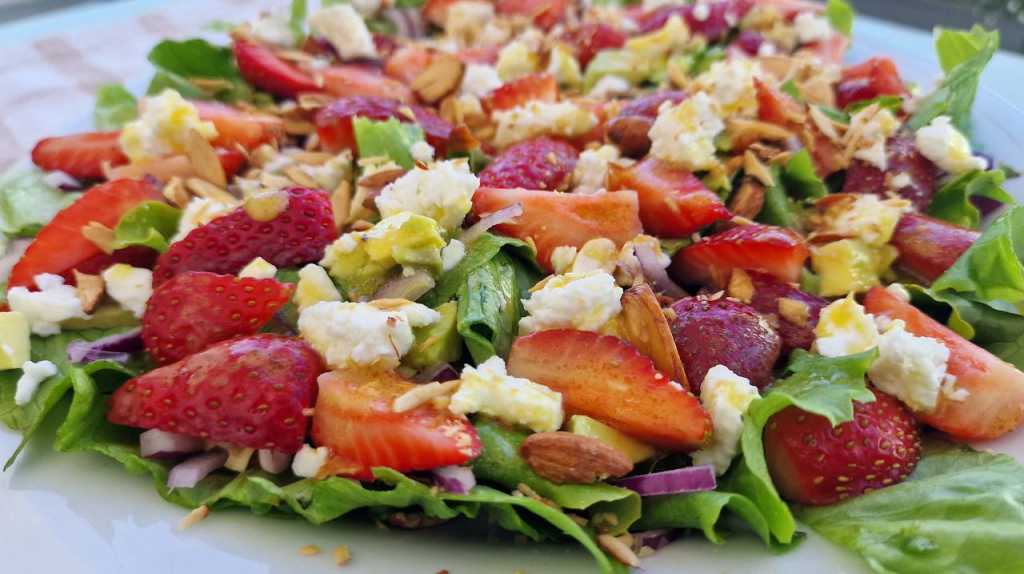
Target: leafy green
[(955, 96), (992, 269), (478, 253), (960, 511), (180, 62), (891, 103), (703, 511), (789, 87), (779, 209), (800, 178), (390, 138), (115, 106), (297, 19), (952, 202), (27, 202), (489, 308), (840, 15), (795, 184), (151, 223)]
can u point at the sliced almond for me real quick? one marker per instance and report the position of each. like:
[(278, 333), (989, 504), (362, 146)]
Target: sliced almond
[(379, 179), (341, 203), (745, 132), (312, 157), (643, 325), (741, 287), (422, 394), (175, 192), (204, 188), (564, 457), (795, 311), (300, 177), (441, 78), (204, 159), (824, 124), (211, 85), (753, 166), (194, 517), (313, 101), (101, 236), (618, 549), (90, 289)]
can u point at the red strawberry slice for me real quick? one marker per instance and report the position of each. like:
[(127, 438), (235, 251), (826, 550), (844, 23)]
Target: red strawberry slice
[(995, 403), (777, 107), (60, 246), (770, 296), (334, 123), (247, 392), (721, 331), (238, 128), (608, 379), (813, 463), (550, 220), (355, 419), (928, 247), (869, 80), (81, 155), (408, 62), (262, 68), (356, 80), (903, 158), (535, 87), (591, 38), (541, 163), (673, 201), (299, 234), (196, 309), (544, 13), (778, 252)]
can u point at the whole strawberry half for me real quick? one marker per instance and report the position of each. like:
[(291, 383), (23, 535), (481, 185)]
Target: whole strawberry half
[(298, 234), (196, 309), (247, 392), (812, 462), (540, 163)]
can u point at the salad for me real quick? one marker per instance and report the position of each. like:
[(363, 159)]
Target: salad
[(590, 272)]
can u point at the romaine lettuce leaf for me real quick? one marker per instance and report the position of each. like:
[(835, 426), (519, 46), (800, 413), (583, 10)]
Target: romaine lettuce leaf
[(891, 103), (800, 179), (964, 56), (179, 62), (952, 202), (489, 308), (703, 511), (115, 106), (478, 253), (390, 138), (840, 15), (992, 269), (151, 224), (297, 19), (27, 202)]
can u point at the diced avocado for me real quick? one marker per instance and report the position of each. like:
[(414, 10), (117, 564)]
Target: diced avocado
[(14, 340), (629, 446), (363, 260), (107, 316), (850, 265), (565, 67), (622, 63), (438, 342)]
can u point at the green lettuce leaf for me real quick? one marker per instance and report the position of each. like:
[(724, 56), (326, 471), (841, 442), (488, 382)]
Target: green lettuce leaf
[(390, 138), (115, 106), (952, 202), (800, 179), (489, 308), (27, 202), (992, 269), (891, 103), (297, 19), (703, 511), (960, 511), (151, 224), (779, 209), (840, 15), (955, 96), (478, 253), (178, 62)]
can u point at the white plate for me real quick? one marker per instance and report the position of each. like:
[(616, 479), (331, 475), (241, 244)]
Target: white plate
[(80, 513)]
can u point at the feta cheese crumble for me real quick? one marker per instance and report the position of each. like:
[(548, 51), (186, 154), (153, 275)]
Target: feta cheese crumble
[(308, 461), (591, 170), (345, 29), (911, 368), (444, 193), (865, 217), (466, 20), (811, 28), (537, 118), (582, 301), (942, 143), (163, 127), (479, 80), (731, 84), (844, 328), (258, 268), (684, 134), (374, 334), (272, 28), (725, 396), (200, 211), (488, 389), (516, 60), (869, 131), (452, 254), (130, 286), (46, 308), (32, 375), (610, 86)]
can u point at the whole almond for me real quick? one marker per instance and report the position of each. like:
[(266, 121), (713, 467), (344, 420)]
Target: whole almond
[(630, 134), (564, 457)]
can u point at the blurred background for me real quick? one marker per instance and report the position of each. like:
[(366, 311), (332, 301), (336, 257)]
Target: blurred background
[(1007, 15)]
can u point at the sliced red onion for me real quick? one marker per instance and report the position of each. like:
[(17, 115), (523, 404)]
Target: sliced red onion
[(503, 215), (678, 481), (410, 287), (112, 348), (455, 479), (62, 181), (653, 539), (440, 372), (156, 443), (274, 461), (188, 474), (408, 22), (655, 273)]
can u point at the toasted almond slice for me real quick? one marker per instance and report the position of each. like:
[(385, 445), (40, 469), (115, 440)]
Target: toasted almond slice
[(341, 203), (342, 555), (101, 235), (312, 157), (379, 179), (748, 199), (211, 85), (296, 174), (313, 141), (194, 517), (827, 126), (309, 550), (175, 192), (759, 171), (90, 289), (741, 287), (618, 549), (204, 159), (422, 394), (794, 311), (441, 78), (298, 127)]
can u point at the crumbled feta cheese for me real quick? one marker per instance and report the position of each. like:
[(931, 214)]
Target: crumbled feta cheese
[(899, 291), (684, 134), (308, 461), (731, 84), (899, 181), (657, 45), (844, 328), (598, 254), (490, 390), (725, 396), (516, 60), (444, 193), (868, 133), (46, 308), (130, 286), (950, 390), (363, 334), (701, 11), (562, 258), (273, 28), (866, 217), (479, 80), (582, 301), (32, 375), (422, 152), (200, 211), (767, 50), (258, 268), (909, 367), (314, 286), (452, 254), (942, 143), (591, 170), (163, 127), (811, 28), (465, 20), (537, 118), (345, 29), (610, 86)]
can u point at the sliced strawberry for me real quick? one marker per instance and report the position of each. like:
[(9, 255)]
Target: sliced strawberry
[(868, 80), (196, 309), (60, 246), (994, 405), (903, 158), (298, 234), (607, 379), (356, 80), (81, 155), (247, 392), (722, 331), (813, 463), (782, 302), (591, 38), (551, 220), (231, 161), (540, 163), (408, 62), (928, 247), (673, 201), (535, 87), (334, 123), (777, 107), (721, 17), (778, 252), (238, 128), (262, 68), (544, 13), (355, 419)]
